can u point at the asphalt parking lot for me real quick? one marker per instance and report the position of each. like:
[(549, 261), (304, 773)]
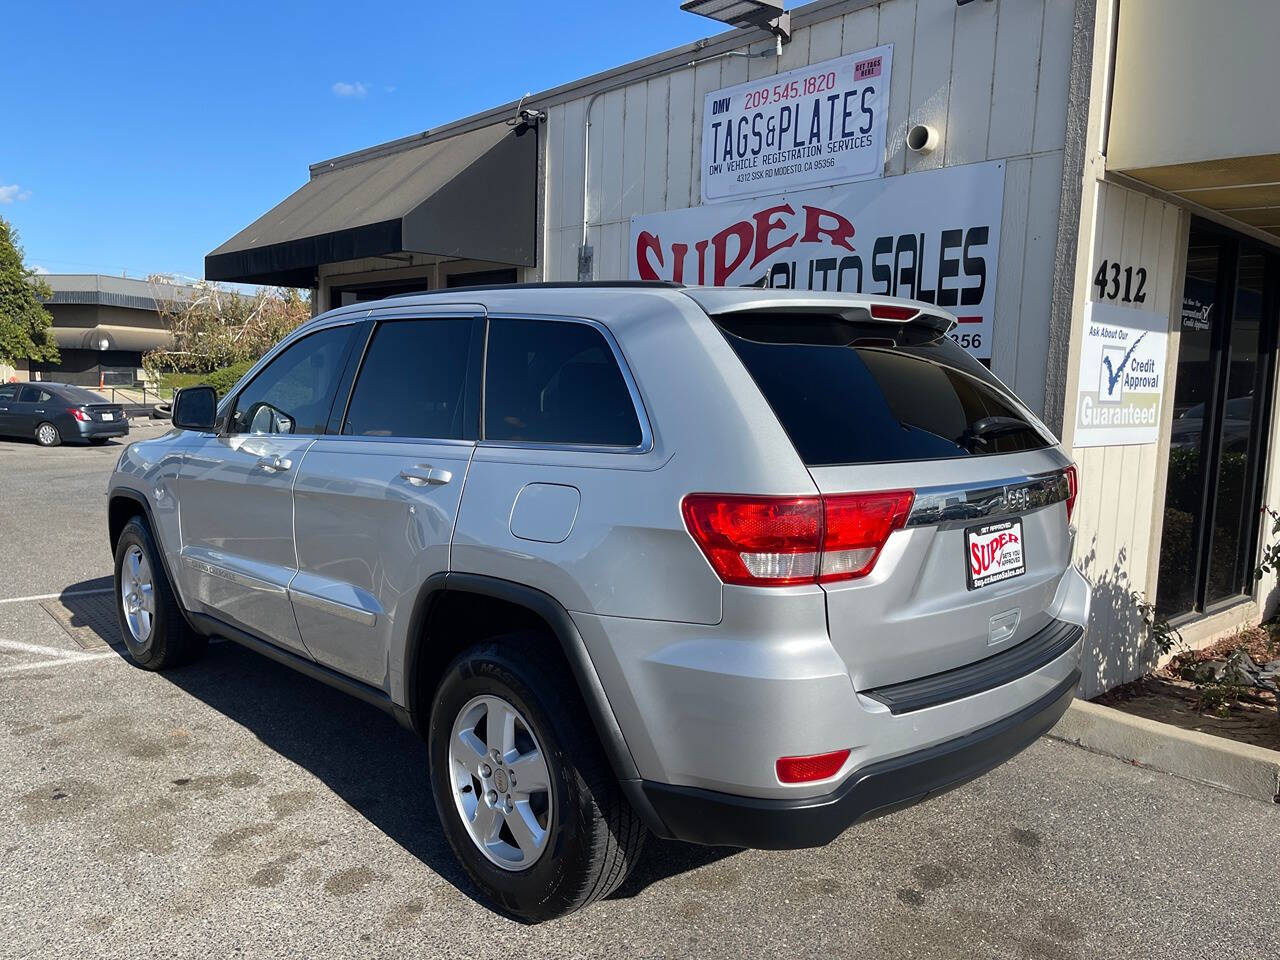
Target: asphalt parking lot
[(233, 808)]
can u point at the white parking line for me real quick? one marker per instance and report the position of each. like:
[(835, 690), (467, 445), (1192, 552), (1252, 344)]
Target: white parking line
[(21, 647), (56, 596), (62, 662)]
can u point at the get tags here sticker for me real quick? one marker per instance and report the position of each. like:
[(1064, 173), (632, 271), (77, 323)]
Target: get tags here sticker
[(994, 553)]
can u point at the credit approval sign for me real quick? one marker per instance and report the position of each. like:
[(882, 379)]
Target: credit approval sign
[(816, 125), (1121, 386), (932, 235)]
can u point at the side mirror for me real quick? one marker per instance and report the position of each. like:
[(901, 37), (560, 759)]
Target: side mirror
[(195, 408)]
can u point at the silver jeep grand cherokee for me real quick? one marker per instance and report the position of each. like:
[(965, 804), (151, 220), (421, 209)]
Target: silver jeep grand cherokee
[(732, 566)]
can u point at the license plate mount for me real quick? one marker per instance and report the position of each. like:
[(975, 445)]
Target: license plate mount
[(994, 552)]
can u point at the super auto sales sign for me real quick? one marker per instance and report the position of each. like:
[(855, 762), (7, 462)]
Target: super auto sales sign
[(820, 124), (932, 235)]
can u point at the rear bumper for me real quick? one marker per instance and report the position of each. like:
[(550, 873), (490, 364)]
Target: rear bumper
[(709, 817), (98, 428)]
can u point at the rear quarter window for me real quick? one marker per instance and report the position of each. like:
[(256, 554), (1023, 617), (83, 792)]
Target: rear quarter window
[(846, 396), (556, 381)]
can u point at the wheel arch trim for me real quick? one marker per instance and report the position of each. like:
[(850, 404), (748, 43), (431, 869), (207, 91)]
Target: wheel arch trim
[(127, 493), (561, 624)]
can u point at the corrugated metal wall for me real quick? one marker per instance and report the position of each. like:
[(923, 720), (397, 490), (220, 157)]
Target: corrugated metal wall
[(992, 77)]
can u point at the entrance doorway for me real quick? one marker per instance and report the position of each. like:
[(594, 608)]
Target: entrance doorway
[(1221, 418)]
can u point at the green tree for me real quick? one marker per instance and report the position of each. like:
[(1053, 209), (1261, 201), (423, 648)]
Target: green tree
[(24, 322)]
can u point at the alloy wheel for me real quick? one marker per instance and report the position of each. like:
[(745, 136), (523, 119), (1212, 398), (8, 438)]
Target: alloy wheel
[(501, 782), (47, 434), (137, 593)]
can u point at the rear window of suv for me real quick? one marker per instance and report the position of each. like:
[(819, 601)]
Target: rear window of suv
[(846, 392)]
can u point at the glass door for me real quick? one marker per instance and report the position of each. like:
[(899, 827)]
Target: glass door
[(1220, 423)]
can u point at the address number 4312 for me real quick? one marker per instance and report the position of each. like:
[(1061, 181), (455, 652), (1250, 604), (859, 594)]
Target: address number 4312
[(1116, 282)]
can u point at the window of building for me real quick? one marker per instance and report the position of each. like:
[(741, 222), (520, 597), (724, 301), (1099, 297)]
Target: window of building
[(1221, 408), (413, 382), (556, 382)]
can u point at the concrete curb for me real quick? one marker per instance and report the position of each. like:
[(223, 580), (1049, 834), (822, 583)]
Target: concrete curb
[(1237, 767)]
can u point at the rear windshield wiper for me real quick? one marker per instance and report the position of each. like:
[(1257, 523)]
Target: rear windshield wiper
[(980, 431)]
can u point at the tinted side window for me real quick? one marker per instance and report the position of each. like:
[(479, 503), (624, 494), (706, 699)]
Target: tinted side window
[(32, 395), (293, 393), (555, 382), (8, 393), (413, 381)]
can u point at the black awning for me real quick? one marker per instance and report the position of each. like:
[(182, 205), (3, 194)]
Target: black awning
[(473, 196)]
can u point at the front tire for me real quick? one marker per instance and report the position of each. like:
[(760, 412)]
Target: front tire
[(541, 827), (152, 626), (47, 435)]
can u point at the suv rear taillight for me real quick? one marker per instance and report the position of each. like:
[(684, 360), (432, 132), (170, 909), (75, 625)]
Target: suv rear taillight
[(779, 541), (79, 414), (1073, 485)]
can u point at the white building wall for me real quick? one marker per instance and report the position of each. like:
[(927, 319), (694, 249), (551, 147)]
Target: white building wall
[(992, 77), (1121, 500)]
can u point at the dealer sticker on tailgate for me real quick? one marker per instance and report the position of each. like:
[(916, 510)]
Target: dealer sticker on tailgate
[(994, 553)]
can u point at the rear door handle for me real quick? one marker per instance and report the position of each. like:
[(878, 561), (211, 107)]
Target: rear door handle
[(422, 474), (274, 463)]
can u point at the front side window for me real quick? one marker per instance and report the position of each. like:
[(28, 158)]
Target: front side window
[(413, 382), (293, 393), (549, 381), (8, 393)]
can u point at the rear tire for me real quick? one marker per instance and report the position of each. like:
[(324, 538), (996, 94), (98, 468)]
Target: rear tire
[(582, 836), (47, 435), (152, 625)]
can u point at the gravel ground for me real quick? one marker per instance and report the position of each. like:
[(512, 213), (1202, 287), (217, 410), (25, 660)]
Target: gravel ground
[(233, 808)]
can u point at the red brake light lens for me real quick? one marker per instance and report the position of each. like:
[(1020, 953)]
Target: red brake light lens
[(754, 540), (856, 527), (778, 541), (78, 414), (891, 311), (817, 767), (1073, 486)]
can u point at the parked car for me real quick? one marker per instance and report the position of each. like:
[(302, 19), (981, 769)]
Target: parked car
[(54, 412), (731, 566)]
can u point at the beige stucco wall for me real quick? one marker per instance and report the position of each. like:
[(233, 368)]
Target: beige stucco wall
[(1195, 80)]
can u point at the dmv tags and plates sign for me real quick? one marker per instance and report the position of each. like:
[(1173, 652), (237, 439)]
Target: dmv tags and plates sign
[(809, 127), (1122, 369), (994, 553)]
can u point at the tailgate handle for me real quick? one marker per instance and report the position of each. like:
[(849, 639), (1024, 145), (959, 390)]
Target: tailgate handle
[(1003, 626)]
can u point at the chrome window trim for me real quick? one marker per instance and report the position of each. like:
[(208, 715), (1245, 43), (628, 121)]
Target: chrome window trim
[(964, 503), (637, 401)]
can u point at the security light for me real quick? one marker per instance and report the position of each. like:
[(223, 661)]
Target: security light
[(766, 14)]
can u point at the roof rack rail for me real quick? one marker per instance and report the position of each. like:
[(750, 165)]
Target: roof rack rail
[(545, 285)]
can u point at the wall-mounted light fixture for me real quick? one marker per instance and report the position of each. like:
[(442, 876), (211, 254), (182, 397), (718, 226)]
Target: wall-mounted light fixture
[(765, 14)]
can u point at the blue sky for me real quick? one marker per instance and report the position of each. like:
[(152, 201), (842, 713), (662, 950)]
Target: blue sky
[(139, 136)]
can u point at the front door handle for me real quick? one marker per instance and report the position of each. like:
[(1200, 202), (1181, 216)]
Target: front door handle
[(274, 463), (422, 474)]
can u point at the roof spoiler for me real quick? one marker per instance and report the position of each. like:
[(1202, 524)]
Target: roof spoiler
[(902, 323)]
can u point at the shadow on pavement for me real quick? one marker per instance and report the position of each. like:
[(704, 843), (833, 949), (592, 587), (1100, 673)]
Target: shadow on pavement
[(362, 754)]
